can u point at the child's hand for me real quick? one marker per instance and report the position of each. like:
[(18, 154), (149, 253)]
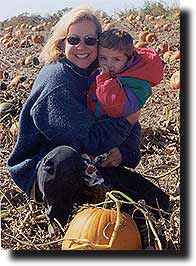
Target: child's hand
[(133, 118), (114, 158), (104, 69)]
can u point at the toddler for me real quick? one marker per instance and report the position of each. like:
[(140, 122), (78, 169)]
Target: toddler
[(124, 83)]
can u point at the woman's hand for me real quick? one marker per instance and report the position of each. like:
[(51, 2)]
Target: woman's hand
[(133, 118), (114, 158)]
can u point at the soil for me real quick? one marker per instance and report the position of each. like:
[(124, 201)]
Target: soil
[(24, 225)]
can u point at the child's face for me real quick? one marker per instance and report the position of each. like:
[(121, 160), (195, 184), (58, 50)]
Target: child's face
[(113, 60)]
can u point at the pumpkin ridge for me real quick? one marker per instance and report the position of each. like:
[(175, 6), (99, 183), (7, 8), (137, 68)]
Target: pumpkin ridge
[(95, 224), (87, 224), (103, 221), (73, 228)]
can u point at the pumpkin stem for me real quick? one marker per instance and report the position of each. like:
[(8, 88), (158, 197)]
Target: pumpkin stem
[(111, 195), (116, 227)]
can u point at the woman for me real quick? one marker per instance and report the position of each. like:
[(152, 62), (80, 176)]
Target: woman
[(55, 127)]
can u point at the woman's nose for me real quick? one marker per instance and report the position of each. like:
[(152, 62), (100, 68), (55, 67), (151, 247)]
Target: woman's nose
[(82, 43)]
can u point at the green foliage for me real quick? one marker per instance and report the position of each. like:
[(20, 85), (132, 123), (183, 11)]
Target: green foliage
[(127, 12), (33, 19), (24, 18), (154, 9)]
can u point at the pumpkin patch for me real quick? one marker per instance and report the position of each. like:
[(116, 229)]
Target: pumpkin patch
[(94, 226)]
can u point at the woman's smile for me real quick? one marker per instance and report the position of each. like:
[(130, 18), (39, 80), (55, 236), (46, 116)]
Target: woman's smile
[(81, 54)]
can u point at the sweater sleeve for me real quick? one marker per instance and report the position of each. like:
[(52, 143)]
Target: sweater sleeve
[(63, 120), (130, 149), (110, 95)]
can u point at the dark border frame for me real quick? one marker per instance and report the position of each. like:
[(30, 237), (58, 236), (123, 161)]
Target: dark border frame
[(184, 252)]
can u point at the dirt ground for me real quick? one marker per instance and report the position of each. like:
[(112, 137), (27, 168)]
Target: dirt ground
[(23, 223)]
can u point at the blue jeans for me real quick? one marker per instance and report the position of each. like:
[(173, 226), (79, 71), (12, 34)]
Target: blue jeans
[(60, 181)]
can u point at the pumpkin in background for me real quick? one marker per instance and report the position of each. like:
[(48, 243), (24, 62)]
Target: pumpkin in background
[(140, 44), (175, 80), (16, 80), (163, 48), (96, 225), (1, 73), (175, 56), (166, 55), (14, 131), (150, 37), (142, 35)]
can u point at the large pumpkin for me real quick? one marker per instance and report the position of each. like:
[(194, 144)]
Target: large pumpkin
[(97, 226)]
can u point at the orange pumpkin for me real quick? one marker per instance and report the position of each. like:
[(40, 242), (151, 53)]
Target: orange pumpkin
[(96, 226), (25, 43), (131, 17), (175, 80), (166, 56), (142, 35), (151, 37), (150, 18), (157, 26), (19, 33), (138, 18), (140, 44), (28, 60), (167, 26), (38, 39), (16, 80), (14, 130), (175, 56), (1, 73), (163, 47)]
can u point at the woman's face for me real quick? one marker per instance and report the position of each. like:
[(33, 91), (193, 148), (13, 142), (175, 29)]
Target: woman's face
[(81, 54)]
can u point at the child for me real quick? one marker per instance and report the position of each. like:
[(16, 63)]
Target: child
[(124, 82)]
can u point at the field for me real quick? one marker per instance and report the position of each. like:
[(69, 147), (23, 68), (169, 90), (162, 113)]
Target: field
[(24, 226)]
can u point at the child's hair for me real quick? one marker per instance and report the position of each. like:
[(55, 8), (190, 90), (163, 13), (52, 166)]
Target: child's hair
[(118, 40)]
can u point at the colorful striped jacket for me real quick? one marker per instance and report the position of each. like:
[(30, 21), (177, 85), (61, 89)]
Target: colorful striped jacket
[(126, 92)]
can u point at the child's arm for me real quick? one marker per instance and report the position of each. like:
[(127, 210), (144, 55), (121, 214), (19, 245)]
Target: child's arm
[(133, 118), (110, 94), (128, 154), (120, 97), (130, 149)]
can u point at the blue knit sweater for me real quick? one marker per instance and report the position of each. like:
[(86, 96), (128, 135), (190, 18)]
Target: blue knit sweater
[(55, 114)]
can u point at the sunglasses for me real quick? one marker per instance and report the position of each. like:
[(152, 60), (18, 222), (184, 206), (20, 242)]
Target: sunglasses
[(75, 40)]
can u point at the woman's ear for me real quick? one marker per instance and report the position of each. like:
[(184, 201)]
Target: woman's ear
[(61, 45)]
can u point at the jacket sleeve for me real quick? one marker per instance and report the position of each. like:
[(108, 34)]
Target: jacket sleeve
[(130, 149), (110, 95), (63, 120)]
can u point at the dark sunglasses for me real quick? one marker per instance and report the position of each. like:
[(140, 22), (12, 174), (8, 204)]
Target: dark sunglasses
[(75, 40)]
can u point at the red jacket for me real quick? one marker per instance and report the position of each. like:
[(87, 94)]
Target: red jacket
[(119, 96)]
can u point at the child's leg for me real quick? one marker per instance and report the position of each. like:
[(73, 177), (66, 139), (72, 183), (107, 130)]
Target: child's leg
[(136, 186)]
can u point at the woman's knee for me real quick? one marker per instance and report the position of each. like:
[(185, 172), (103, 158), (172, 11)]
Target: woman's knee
[(60, 170)]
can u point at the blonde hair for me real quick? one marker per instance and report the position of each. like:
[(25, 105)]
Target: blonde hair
[(52, 50), (117, 39)]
